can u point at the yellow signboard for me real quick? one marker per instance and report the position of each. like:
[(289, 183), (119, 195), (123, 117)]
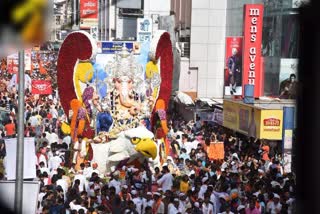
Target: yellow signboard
[(251, 121), (271, 124)]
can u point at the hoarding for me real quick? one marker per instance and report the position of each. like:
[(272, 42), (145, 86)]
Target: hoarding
[(233, 66), (288, 78), (88, 14), (252, 30)]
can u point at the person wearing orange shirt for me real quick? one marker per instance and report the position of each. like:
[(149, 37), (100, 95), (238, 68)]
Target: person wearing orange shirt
[(265, 152), (10, 129)]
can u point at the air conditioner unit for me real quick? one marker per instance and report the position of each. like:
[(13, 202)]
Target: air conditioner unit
[(133, 12)]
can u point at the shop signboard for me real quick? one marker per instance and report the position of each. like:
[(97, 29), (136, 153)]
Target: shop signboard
[(206, 116), (253, 122), (233, 66), (88, 14), (218, 116), (271, 124), (252, 30), (144, 29)]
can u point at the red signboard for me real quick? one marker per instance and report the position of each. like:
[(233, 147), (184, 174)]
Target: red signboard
[(271, 122), (252, 29), (233, 66), (88, 13), (41, 87)]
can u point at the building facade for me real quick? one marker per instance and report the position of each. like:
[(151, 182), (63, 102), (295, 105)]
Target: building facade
[(214, 20)]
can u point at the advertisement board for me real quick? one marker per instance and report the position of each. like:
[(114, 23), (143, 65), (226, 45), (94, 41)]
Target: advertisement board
[(13, 62), (288, 78), (233, 66), (230, 115), (252, 30), (253, 122), (88, 14), (144, 29)]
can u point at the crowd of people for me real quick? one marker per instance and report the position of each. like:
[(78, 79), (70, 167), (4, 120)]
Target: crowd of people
[(249, 179)]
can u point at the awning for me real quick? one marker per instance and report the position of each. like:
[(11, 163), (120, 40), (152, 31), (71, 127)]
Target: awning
[(183, 98), (208, 104)]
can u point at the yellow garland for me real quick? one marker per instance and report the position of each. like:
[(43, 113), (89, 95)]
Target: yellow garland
[(65, 128), (151, 69), (83, 73)]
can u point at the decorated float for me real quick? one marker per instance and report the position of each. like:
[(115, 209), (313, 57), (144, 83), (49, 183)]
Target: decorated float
[(116, 108)]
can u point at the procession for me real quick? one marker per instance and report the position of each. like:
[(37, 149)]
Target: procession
[(148, 115)]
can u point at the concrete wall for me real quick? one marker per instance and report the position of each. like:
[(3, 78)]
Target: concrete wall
[(161, 7), (208, 24), (188, 77), (234, 22)]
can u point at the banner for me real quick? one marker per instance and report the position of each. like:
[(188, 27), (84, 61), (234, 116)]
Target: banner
[(216, 151), (287, 139), (88, 14), (252, 29), (233, 66), (112, 47), (13, 62), (27, 60), (29, 157), (41, 87), (144, 29)]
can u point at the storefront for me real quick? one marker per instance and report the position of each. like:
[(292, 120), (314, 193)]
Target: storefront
[(253, 121)]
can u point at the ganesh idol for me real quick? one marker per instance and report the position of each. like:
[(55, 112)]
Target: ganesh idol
[(129, 104)]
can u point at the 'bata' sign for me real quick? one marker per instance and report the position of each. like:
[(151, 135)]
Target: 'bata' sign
[(252, 28), (271, 122)]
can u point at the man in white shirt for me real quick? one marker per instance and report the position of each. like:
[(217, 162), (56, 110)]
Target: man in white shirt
[(83, 182), (166, 181), (275, 206), (173, 207), (43, 168), (115, 182), (87, 171), (203, 188), (67, 140), (64, 185), (184, 203), (75, 205), (138, 201), (207, 208), (149, 201), (54, 162)]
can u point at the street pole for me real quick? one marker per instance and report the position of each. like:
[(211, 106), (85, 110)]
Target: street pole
[(18, 199)]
